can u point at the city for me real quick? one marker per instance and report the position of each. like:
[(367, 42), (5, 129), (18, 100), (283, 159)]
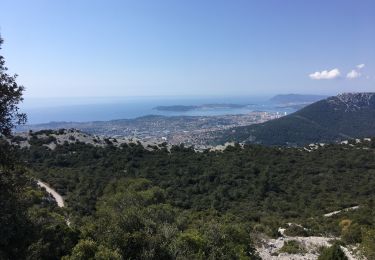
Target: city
[(175, 130)]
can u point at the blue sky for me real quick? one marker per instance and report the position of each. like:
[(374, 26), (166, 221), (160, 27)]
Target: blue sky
[(76, 48)]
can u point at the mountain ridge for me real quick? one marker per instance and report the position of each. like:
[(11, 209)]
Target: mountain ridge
[(347, 115)]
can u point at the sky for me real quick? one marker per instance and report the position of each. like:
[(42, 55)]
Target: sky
[(91, 48)]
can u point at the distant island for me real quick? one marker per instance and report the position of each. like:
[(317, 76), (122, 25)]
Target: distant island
[(182, 108)]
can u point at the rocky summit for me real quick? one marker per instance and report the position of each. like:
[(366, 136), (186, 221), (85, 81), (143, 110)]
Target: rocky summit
[(354, 101)]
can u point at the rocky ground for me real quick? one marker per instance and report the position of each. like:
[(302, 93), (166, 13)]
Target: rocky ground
[(270, 249), (52, 138)]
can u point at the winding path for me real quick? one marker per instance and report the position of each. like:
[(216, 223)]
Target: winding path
[(59, 199), (339, 211)]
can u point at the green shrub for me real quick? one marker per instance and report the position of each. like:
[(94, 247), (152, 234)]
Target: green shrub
[(292, 247), (295, 230), (333, 253), (34, 140), (17, 139), (352, 234), (368, 244)]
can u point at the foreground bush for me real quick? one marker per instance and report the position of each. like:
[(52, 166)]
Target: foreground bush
[(333, 253)]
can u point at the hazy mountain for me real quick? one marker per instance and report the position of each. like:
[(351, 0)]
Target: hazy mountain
[(296, 98), (349, 115)]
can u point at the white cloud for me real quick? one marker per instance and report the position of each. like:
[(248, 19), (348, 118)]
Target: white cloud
[(360, 66), (353, 74), (325, 74)]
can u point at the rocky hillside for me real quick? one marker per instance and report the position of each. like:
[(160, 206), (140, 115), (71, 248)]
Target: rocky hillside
[(52, 138), (345, 116)]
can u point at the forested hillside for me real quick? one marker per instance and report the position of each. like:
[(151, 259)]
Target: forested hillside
[(169, 204), (342, 117)]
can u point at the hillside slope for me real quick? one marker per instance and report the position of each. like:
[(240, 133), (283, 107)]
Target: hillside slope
[(169, 200), (349, 115)]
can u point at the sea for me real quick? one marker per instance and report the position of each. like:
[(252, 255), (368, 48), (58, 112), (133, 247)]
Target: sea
[(86, 109)]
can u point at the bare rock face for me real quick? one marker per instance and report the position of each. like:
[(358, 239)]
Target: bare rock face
[(353, 102)]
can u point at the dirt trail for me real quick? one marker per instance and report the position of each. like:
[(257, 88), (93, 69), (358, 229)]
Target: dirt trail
[(59, 199), (339, 211)]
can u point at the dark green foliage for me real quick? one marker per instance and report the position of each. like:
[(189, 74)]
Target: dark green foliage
[(353, 234), (34, 140), (89, 249), (47, 132), (18, 139), (332, 253), (31, 227), (13, 219), (171, 204), (11, 96), (296, 230), (253, 182), (133, 221), (368, 243)]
